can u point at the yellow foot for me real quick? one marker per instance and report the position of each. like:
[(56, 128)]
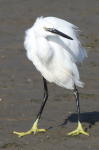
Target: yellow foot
[(78, 130), (33, 129)]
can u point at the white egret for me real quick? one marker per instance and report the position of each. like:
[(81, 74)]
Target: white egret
[(53, 47)]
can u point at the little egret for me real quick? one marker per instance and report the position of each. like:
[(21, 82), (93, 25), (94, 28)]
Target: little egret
[(52, 45)]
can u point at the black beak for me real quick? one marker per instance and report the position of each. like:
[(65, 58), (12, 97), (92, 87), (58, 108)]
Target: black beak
[(57, 32)]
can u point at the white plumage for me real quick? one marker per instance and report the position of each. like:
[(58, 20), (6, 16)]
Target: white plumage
[(54, 56), (54, 49)]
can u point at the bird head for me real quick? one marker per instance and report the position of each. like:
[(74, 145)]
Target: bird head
[(44, 28), (40, 27)]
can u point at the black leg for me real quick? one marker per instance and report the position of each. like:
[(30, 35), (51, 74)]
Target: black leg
[(79, 128), (44, 98), (77, 101), (34, 127)]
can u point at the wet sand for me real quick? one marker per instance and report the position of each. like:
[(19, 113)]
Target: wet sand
[(21, 87)]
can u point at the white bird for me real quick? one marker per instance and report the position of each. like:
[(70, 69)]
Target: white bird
[(52, 45)]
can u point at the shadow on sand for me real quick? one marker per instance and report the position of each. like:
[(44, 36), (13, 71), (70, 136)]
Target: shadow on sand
[(88, 117)]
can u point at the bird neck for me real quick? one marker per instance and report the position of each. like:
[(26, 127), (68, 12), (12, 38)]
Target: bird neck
[(44, 51)]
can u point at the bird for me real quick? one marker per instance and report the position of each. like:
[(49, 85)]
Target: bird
[(54, 47)]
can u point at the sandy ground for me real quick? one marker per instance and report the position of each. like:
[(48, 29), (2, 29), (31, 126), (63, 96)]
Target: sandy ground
[(21, 88)]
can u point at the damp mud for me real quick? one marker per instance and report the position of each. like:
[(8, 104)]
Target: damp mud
[(21, 85)]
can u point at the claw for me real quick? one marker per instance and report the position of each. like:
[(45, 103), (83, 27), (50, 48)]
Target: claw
[(33, 129), (78, 130)]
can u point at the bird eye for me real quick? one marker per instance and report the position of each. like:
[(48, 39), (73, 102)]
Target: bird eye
[(45, 28)]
